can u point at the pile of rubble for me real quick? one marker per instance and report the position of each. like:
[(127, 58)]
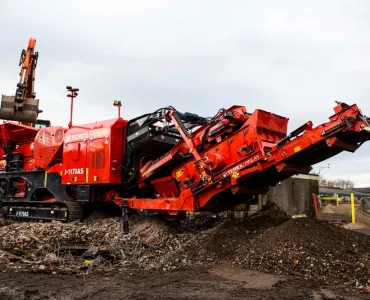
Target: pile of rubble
[(272, 242), (314, 249), (267, 241), (96, 244), (73, 247), (306, 247)]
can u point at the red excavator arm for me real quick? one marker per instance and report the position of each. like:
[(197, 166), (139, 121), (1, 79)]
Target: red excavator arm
[(236, 154), (28, 63), (23, 107)]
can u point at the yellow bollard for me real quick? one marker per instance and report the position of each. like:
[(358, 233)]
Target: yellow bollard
[(353, 208)]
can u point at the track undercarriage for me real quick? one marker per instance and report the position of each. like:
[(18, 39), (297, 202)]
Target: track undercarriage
[(37, 195)]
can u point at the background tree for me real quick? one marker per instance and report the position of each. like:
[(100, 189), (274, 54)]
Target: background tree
[(336, 183)]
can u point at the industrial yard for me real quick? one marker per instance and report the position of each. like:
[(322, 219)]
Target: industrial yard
[(184, 150)]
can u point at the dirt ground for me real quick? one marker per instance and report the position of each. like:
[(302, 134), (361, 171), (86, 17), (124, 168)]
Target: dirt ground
[(222, 282), (343, 214), (265, 256)]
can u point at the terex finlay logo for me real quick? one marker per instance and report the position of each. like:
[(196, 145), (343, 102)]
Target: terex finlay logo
[(77, 137), (242, 165), (93, 134)]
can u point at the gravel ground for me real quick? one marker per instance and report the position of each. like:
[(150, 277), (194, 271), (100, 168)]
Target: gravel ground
[(305, 249), (190, 284)]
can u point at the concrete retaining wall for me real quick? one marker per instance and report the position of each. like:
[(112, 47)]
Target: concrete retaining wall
[(294, 195)]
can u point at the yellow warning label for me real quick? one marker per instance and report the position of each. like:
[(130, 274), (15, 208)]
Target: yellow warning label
[(179, 173), (235, 174), (298, 148), (239, 207)]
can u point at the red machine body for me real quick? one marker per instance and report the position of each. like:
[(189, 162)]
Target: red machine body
[(222, 162), (92, 153), (48, 145), (164, 162), (245, 159)]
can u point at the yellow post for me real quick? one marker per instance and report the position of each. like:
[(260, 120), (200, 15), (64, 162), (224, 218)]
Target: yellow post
[(353, 208)]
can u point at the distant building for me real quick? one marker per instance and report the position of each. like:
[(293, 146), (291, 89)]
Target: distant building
[(365, 190), (327, 192)]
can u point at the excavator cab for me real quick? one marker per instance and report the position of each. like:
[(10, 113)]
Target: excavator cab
[(23, 107)]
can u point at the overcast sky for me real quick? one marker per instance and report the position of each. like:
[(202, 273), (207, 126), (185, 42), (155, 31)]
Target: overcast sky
[(293, 58)]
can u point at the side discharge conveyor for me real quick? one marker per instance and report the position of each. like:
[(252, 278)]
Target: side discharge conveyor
[(238, 155)]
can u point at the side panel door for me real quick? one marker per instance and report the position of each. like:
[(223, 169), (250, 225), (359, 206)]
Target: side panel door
[(74, 163), (98, 160)]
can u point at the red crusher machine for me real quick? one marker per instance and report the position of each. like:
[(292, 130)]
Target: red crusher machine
[(164, 162)]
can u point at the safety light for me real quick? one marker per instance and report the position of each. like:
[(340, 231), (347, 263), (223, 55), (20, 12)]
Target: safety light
[(72, 94), (118, 104)]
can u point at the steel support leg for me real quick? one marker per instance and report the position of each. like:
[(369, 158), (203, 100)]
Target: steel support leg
[(125, 223)]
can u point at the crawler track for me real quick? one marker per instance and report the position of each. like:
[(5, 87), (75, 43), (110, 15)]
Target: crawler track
[(67, 211), (75, 210)]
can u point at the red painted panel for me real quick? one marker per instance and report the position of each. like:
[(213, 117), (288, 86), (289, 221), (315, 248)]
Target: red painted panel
[(47, 146), (74, 162), (98, 159), (93, 153)]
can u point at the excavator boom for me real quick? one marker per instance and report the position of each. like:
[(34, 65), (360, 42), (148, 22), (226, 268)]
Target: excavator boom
[(23, 106), (27, 62)]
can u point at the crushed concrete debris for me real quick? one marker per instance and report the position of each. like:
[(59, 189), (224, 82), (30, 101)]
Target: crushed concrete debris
[(268, 241), (353, 226)]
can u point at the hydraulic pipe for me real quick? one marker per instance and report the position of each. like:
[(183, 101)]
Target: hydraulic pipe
[(294, 134), (333, 129)]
